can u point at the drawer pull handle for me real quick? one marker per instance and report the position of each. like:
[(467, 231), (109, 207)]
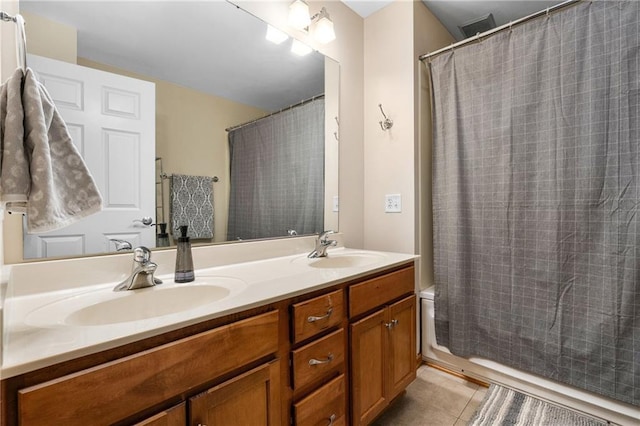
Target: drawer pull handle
[(325, 316), (332, 418), (327, 360), (391, 324)]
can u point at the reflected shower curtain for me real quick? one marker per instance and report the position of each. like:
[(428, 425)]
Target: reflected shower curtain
[(536, 193), (277, 174)]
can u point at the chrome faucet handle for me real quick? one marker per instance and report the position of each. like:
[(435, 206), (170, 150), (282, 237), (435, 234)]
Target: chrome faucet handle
[(141, 255), (121, 245), (324, 236), (322, 244), (142, 272)]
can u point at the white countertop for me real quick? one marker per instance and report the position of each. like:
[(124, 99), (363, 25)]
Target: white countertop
[(27, 347)]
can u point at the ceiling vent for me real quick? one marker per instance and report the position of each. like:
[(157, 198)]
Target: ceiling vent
[(479, 25)]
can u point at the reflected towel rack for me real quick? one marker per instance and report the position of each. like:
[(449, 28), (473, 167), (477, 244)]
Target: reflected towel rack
[(166, 176)]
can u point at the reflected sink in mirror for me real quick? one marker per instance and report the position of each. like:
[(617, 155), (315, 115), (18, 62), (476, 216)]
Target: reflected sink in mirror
[(104, 307), (341, 260)]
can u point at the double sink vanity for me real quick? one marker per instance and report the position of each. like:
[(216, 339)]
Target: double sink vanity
[(264, 335)]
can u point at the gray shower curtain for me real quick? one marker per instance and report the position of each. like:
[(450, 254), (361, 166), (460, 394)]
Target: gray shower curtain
[(277, 174), (536, 187)]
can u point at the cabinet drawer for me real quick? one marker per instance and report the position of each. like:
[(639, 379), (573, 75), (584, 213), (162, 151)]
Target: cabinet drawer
[(314, 315), (315, 360), (375, 292), (326, 405), (175, 416), (131, 384)]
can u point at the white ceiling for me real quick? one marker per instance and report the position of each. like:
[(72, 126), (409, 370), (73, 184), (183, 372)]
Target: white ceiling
[(210, 46), (230, 57)]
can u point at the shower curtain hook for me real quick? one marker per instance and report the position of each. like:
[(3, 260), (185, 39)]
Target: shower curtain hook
[(387, 123)]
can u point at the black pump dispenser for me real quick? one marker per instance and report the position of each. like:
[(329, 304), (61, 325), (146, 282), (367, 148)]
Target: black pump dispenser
[(184, 261), (162, 239)]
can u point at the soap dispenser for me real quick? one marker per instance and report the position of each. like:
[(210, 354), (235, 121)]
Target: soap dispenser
[(162, 239), (184, 260)]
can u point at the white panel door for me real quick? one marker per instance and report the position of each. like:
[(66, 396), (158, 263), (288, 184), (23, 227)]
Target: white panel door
[(111, 119)]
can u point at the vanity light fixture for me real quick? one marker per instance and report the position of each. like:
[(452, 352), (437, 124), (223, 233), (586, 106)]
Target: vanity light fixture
[(274, 35), (299, 18), (300, 48), (324, 31), (299, 15)]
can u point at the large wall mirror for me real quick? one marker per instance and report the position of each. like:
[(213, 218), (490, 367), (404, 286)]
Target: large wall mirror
[(184, 88)]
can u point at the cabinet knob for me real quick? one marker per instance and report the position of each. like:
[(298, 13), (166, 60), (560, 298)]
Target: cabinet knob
[(332, 418), (391, 324), (327, 360), (312, 318)]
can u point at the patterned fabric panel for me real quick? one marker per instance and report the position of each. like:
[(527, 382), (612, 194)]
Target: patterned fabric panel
[(192, 205)]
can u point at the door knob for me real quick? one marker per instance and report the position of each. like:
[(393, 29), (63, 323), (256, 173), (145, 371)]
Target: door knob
[(146, 221)]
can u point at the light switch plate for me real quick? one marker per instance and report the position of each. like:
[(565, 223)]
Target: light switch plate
[(336, 205), (392, 203)]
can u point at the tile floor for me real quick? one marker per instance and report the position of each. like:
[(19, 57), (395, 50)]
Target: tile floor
[(435, 398)]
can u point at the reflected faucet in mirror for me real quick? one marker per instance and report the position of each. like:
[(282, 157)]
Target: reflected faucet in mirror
[(121, 245)]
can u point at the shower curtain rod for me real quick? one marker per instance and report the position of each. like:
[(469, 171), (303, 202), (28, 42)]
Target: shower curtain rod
[(500, 28), (306, 101)]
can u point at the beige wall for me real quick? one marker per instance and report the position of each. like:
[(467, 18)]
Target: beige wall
[(397, 161), (51, 39)]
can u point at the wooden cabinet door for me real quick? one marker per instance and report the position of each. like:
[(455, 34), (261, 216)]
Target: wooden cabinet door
[(252, 398), (174, 416), (402, 345), (368, 365)]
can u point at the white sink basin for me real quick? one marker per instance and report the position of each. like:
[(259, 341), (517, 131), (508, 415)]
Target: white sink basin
[(341, 260), (103, 307)]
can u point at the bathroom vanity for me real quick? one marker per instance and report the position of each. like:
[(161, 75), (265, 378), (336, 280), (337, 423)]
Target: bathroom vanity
[(304, 341)]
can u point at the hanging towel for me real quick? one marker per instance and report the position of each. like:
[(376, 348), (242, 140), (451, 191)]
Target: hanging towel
[(192, 205), (41, 173)]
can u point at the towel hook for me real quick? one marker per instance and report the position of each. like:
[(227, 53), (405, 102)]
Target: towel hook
[(21, 38), (387, 123)]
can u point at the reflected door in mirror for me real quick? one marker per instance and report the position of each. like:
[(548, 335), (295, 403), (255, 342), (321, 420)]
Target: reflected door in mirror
[(111, 119)]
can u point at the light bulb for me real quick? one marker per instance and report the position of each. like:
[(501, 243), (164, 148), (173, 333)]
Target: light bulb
[(300, 48), (299, 15), (323, 31), (274, 35)]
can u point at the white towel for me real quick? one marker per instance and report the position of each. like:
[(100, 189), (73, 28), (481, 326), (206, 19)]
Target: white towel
[(41, 174)]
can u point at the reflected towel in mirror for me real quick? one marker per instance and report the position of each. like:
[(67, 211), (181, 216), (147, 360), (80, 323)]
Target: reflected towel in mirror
[(42, 173), (192, 205)]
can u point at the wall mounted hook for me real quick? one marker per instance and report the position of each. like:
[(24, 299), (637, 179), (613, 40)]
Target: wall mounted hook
[(387, 123)]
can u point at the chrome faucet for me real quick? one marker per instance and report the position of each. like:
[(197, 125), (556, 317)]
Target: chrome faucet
[(142, 272), (322, 244), (121, 245)]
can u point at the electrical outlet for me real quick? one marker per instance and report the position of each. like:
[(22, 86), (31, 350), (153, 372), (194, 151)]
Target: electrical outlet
[(336, 205), (392, 203)]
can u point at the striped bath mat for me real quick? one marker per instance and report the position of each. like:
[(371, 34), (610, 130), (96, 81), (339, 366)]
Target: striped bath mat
[(504, 406)]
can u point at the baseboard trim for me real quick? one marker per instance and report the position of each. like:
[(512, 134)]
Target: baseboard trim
[(455, 373)]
